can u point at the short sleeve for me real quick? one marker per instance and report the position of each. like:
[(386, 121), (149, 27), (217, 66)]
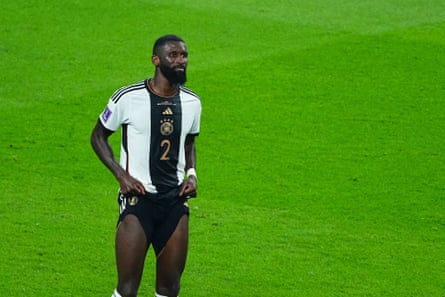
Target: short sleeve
[(115, 113), (197, 119)]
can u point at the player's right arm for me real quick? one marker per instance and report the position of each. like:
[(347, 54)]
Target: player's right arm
[(102, 148)]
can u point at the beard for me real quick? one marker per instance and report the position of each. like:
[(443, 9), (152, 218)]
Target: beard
[(173, 76)]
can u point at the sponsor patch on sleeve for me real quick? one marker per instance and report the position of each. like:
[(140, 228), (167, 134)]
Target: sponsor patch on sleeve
[(106, 114)]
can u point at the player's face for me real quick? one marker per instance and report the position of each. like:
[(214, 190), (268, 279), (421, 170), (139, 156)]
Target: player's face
[(173, 62)]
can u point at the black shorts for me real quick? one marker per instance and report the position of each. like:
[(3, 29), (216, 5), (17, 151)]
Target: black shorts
[(158, 217)]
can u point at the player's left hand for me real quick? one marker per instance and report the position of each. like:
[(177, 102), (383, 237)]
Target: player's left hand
[(189, 187)]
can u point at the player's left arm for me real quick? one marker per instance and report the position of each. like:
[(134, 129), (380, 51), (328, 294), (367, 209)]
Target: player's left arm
[(190, 184)]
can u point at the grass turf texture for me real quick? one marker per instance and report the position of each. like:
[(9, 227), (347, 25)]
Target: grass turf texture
[(321, 161)]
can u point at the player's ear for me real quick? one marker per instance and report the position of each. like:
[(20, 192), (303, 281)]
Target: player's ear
[(155, 60)]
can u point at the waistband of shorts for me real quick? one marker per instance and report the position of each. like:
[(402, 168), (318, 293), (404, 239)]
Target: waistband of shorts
[(167, 198)]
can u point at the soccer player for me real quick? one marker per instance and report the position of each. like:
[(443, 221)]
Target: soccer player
[(159, 119)]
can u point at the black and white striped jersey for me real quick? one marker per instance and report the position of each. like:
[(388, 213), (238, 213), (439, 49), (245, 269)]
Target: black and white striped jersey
[(154, 129)]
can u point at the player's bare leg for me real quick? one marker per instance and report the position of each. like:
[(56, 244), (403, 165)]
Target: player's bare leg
[(171, 261), (131, 249)]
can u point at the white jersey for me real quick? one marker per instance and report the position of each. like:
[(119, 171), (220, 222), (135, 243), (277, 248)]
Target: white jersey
[(154, 129)]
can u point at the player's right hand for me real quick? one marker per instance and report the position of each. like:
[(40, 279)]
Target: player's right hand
[(129, 186)]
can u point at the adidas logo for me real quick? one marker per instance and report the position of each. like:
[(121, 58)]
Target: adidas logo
[(168, 111)]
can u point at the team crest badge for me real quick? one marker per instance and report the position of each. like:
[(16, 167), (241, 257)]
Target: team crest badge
[(166, 127), (132, 201)]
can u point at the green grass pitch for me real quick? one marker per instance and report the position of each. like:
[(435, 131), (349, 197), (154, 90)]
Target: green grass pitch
[(321, 156)]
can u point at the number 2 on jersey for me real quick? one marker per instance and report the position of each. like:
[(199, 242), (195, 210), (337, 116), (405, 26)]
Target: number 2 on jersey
[(166, 145)]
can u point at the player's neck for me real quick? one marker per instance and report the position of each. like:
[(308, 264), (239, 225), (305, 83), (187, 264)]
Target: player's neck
[(162, 88)]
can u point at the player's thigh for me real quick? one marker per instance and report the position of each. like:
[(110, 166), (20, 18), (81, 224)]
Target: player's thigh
[(131, 249), (171, 261)]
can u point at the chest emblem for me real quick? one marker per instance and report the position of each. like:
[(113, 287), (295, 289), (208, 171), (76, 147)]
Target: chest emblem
[(167, 127)]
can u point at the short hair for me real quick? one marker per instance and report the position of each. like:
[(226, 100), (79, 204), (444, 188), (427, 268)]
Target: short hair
[(161, 41)]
